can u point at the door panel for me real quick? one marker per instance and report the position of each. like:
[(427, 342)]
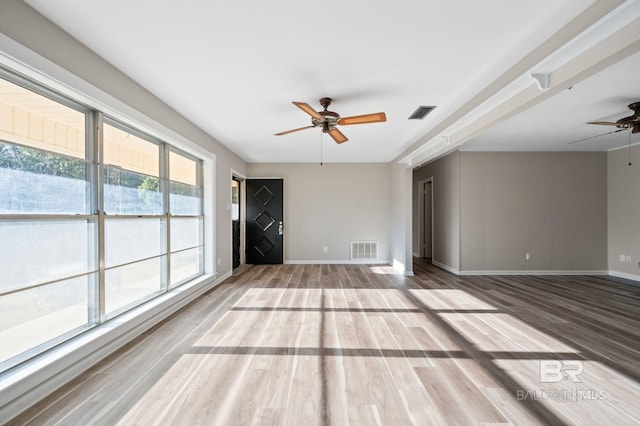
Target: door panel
[(264, 220), (235, 220)]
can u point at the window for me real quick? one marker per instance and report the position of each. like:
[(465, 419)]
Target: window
[(47, 232), (134, 226), (84, 240), (186, 218)]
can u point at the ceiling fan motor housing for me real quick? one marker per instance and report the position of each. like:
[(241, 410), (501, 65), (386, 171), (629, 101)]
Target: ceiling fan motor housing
[(633, 121), (330, 118)]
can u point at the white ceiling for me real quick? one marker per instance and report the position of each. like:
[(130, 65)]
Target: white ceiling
[(233, 68), (559, 123)]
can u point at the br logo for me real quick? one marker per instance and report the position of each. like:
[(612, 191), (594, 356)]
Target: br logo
[(554, 371)]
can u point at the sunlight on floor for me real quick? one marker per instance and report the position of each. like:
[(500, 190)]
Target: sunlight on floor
[(281, 353), (451, 299), (545, 369), (385, 270)]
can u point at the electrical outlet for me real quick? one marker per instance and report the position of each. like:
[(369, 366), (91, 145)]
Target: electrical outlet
[(622, 257), (527, 256), (628, 259), (326, 249)]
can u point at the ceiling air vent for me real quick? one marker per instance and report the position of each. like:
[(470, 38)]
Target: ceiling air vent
[(421, 112)]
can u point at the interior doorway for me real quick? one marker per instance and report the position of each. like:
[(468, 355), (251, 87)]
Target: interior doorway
[(428, 219), (425, 218), (236, 221)]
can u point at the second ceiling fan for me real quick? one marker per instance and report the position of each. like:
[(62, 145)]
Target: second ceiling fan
[(328, 120), (631, 123)]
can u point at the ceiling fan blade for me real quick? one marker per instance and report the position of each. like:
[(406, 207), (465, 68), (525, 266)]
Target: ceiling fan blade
[(604, 123), (377, 117), (307, 108), (337, 135), (596, 136), (293, 130)]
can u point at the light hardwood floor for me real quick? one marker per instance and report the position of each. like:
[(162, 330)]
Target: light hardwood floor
[(358, 344)]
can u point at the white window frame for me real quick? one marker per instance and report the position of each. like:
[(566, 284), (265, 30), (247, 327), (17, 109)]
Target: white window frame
[(93, 156)]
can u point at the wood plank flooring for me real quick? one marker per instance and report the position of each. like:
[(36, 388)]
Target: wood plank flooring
[(361, 345)]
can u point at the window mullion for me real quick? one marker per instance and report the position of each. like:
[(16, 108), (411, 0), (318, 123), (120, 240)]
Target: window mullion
[(165, 189), (200, 184), (99, 190), (92, 198)]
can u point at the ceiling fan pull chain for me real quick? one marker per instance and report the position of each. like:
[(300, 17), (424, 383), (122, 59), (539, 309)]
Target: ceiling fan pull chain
[(630, 147), (321, 149)]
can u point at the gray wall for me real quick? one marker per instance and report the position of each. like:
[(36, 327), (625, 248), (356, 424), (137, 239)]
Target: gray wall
[(552, 205), (24, 25), (446, 208), (624, 211), (330, 206), (400, 217)]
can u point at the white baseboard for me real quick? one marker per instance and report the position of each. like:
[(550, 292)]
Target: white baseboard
[(32, 381), (337, 262), (527, 272), (631, 277), (534, 272), (445, 267), (624, 275)]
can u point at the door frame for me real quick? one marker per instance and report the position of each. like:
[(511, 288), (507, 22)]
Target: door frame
[(243, 201), (284, 214), (421, 218)]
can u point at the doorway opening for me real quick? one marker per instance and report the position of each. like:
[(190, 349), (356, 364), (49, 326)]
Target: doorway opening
[(425, 221), (236, 221)]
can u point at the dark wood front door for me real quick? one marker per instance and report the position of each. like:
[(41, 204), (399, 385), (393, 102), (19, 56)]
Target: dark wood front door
[(265, 227)]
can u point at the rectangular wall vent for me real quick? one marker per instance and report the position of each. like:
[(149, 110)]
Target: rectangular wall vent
[(364, 250), (421, 112)]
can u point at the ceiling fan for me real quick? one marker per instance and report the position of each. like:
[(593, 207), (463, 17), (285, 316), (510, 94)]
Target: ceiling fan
[(328, 120), (631, 123)]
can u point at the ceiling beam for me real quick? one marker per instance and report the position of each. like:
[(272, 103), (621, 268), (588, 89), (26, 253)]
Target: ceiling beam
[(574, 28)]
